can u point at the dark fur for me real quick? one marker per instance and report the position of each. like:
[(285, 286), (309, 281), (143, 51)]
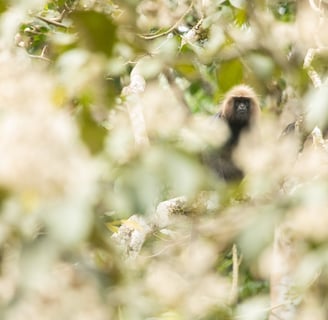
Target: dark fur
[(240, 109), (237, 120)]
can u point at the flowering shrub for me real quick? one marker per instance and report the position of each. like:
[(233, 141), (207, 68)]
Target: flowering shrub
[(107, 210)]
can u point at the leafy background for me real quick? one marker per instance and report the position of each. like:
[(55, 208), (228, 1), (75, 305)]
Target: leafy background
[(105, 113)]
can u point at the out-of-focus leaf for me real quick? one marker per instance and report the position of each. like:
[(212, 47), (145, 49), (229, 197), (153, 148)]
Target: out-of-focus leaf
[(261, 228), (69, 222), (96, 31), (188, 70), (3, 5), (262, 65), (240, 4), (59, 95), (3, 195), (229, 74), (222, 313), (113, 226), (240, 17), (170, 315), (30, 200), (36, 33), (35, 260), (136, 190), (316, 105), (250, 286), (199, 99), (254, 309), (148, 67), (59, 4), (284, 10), (61, 43), (92, 133)]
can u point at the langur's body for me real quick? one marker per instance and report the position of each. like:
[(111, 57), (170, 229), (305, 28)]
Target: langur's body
[(240, 110)]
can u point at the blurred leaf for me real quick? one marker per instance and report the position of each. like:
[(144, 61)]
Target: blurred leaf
[(198, 99), (240, 17), (3, 5), (262, 65), (252, 287), (240, 4), (284, 10), (113, 226), (30, 200), (187, 70), (319, 63), (316, 106), (262, 227), (59, 95), (59, 4), (93, 134), (96, 31), (136, 189), (170, 315), (253, 309), (223, 313), (60, 43), (230, 73), (36, 33), (3, 195)]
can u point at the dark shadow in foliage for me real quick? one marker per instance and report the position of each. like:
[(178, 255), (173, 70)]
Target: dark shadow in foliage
[(96, 31)]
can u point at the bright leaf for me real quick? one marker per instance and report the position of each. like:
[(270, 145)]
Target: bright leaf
[(229, 74)]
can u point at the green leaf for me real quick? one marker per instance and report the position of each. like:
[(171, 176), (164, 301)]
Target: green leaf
[(240, 17), (230, 73), (187, 70), (96, 31), (3, 5), (240, 4), (92, 133), (4, 193), (284, 10), (262, 65)]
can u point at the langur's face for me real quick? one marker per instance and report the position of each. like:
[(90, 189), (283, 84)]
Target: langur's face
[(241, 108)]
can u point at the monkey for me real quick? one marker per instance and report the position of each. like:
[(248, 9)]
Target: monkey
[(240, 110)]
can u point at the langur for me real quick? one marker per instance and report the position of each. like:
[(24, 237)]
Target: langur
[(240, 109)]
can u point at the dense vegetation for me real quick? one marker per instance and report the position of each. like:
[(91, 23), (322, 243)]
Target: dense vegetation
[(107, 211)]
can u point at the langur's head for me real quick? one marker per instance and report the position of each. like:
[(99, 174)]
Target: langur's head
[(240, 106)]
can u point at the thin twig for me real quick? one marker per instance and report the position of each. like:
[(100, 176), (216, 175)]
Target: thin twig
[(43, 52), (39, 57), (61, 16), (314, 76), (235, 274), (52, 21), (158, 35)]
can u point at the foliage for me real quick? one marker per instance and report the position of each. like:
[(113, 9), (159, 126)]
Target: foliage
[(105, 113)]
